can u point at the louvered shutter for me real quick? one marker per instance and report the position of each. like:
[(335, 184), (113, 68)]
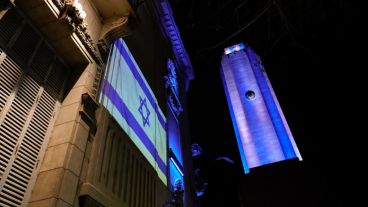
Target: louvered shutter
[(41, 63), (27, 113), (28, 103), (9, 76), (56, 79), (26, 43), (9, 24)]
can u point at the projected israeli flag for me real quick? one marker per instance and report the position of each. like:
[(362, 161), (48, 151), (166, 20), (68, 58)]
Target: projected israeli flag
[(128, 97)]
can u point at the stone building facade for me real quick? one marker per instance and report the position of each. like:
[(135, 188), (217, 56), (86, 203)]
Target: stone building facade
[(58, 145)]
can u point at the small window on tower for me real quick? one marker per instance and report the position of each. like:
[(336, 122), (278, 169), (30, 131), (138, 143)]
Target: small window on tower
[(250, 95)]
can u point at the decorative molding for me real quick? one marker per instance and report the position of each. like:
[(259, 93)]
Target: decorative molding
[(172, 32), (177, 195), (171, 83), (103, 48), (175, 105), (196, 149), (114, 28), (171, 80), (72, 13)]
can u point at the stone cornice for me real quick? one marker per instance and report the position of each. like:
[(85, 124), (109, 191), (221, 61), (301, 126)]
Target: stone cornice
[(114, 28), (72, 16), (168, 22)]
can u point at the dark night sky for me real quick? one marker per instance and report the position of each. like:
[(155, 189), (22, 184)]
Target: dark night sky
[(311, 53)]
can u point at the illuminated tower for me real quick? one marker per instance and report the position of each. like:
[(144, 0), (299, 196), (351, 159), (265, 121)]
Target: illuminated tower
[(261, 130)]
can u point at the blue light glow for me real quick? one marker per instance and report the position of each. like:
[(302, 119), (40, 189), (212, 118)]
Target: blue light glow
[(196, 149), (173, 128), (234, 48), (177, 166), (226, 159), (233, 118), (173, 33), (175, 172), (261, 130), (174, 136), (199, 193), (273, 111)]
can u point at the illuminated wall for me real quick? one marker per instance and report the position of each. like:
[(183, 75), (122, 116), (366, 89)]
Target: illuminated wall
[(173, 129), (176, 158), (130, 100), (261, 130)]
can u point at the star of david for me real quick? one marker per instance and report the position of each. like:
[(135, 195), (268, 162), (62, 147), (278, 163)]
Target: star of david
[(143, 110)]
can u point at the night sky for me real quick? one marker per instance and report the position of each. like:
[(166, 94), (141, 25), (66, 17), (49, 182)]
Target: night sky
[(315, 56)]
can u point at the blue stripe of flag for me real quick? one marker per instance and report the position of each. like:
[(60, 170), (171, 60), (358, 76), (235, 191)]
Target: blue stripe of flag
[(139, 79), (112, 94)]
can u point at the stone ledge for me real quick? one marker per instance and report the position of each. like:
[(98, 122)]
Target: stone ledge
[(96, 194)]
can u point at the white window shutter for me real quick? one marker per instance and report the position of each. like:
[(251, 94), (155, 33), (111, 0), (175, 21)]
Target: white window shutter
[(27, 113), (29, 98)]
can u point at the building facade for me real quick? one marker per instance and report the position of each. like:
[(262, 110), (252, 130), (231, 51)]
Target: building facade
[(60, 143)]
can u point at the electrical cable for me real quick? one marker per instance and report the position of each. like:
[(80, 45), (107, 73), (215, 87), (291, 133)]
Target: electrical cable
[(262, 11)]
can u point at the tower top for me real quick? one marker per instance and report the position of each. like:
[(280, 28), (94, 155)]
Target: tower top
[(234, 48)]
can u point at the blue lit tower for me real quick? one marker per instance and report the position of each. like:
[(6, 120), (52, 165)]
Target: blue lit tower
[(262, 132)]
